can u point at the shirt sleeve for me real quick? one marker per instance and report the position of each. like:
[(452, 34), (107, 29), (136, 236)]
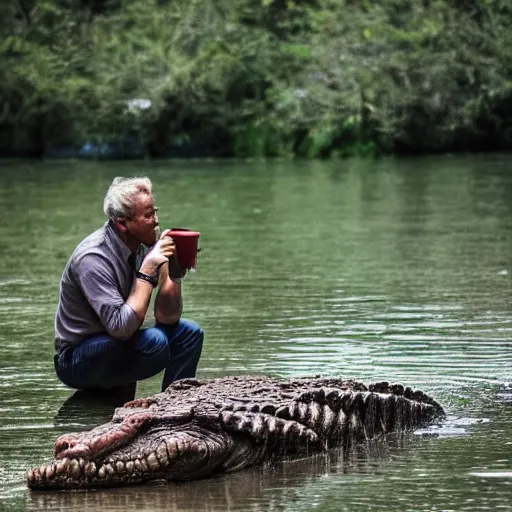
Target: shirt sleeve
[(98, 283)]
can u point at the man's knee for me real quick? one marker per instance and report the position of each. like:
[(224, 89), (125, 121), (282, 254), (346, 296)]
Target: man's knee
[(194, 333), (186, 333), (194, 329), (153, 341)]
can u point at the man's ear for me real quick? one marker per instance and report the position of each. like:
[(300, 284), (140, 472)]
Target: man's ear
[(120, 223)]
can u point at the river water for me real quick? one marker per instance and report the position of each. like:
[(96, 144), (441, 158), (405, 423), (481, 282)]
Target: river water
[(396, 269)]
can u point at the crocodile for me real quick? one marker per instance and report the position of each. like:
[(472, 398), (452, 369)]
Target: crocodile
[(200, 428)]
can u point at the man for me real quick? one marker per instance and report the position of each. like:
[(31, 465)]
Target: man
[(104, 297)]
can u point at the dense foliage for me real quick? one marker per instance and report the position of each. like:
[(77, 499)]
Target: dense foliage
[(256, 77)]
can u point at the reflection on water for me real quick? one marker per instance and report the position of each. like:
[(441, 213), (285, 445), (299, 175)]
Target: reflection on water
[(255, 489), (381, 270), (87, 409)]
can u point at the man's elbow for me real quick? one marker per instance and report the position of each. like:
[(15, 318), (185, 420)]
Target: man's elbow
[(121, 333), (167, 318), (123, 329), (123, 326)]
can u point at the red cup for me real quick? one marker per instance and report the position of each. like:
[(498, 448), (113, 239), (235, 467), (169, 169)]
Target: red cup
[(186, 242)]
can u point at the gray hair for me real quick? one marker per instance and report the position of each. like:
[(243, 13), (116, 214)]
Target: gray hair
[(121, 195)]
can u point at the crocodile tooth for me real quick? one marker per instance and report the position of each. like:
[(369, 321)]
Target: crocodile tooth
[(102, 472), (182, 445), (74, 467), (137, 464), (303, 412), (120, 467), (257, 426), (153, 461), (62, 465), (144, 464), (315, 413), (342, 421), (288, 430), (328, 418), (109, 469), (90, 468), (42, 470), (172, 449), (161, 453), (130, 466), (272, 424)]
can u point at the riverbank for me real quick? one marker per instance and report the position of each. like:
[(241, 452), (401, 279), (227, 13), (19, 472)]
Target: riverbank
[(312, 79)]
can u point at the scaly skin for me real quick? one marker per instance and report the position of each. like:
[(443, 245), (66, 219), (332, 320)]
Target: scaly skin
[(198, 428)]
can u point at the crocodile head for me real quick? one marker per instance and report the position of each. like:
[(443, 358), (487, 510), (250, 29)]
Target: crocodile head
[(135, 447)]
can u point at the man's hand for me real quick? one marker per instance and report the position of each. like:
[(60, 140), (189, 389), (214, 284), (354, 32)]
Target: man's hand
[(165, 233), (159, 254)]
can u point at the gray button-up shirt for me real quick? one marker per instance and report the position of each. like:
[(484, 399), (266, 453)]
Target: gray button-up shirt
[(95, 284)]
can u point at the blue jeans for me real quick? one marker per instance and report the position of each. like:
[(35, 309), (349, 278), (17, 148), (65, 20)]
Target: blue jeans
[(103, 362)]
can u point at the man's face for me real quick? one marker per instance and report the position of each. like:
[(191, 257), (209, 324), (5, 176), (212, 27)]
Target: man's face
[(141, 225)]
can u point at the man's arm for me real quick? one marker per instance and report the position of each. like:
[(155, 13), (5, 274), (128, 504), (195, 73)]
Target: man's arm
[(121, 319), (139, 298), (169, 302), (96, 278)]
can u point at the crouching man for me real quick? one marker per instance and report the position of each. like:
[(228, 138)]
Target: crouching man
[(105, 293)]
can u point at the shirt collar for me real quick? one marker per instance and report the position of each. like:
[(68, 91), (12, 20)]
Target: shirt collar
[(115, 240)]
